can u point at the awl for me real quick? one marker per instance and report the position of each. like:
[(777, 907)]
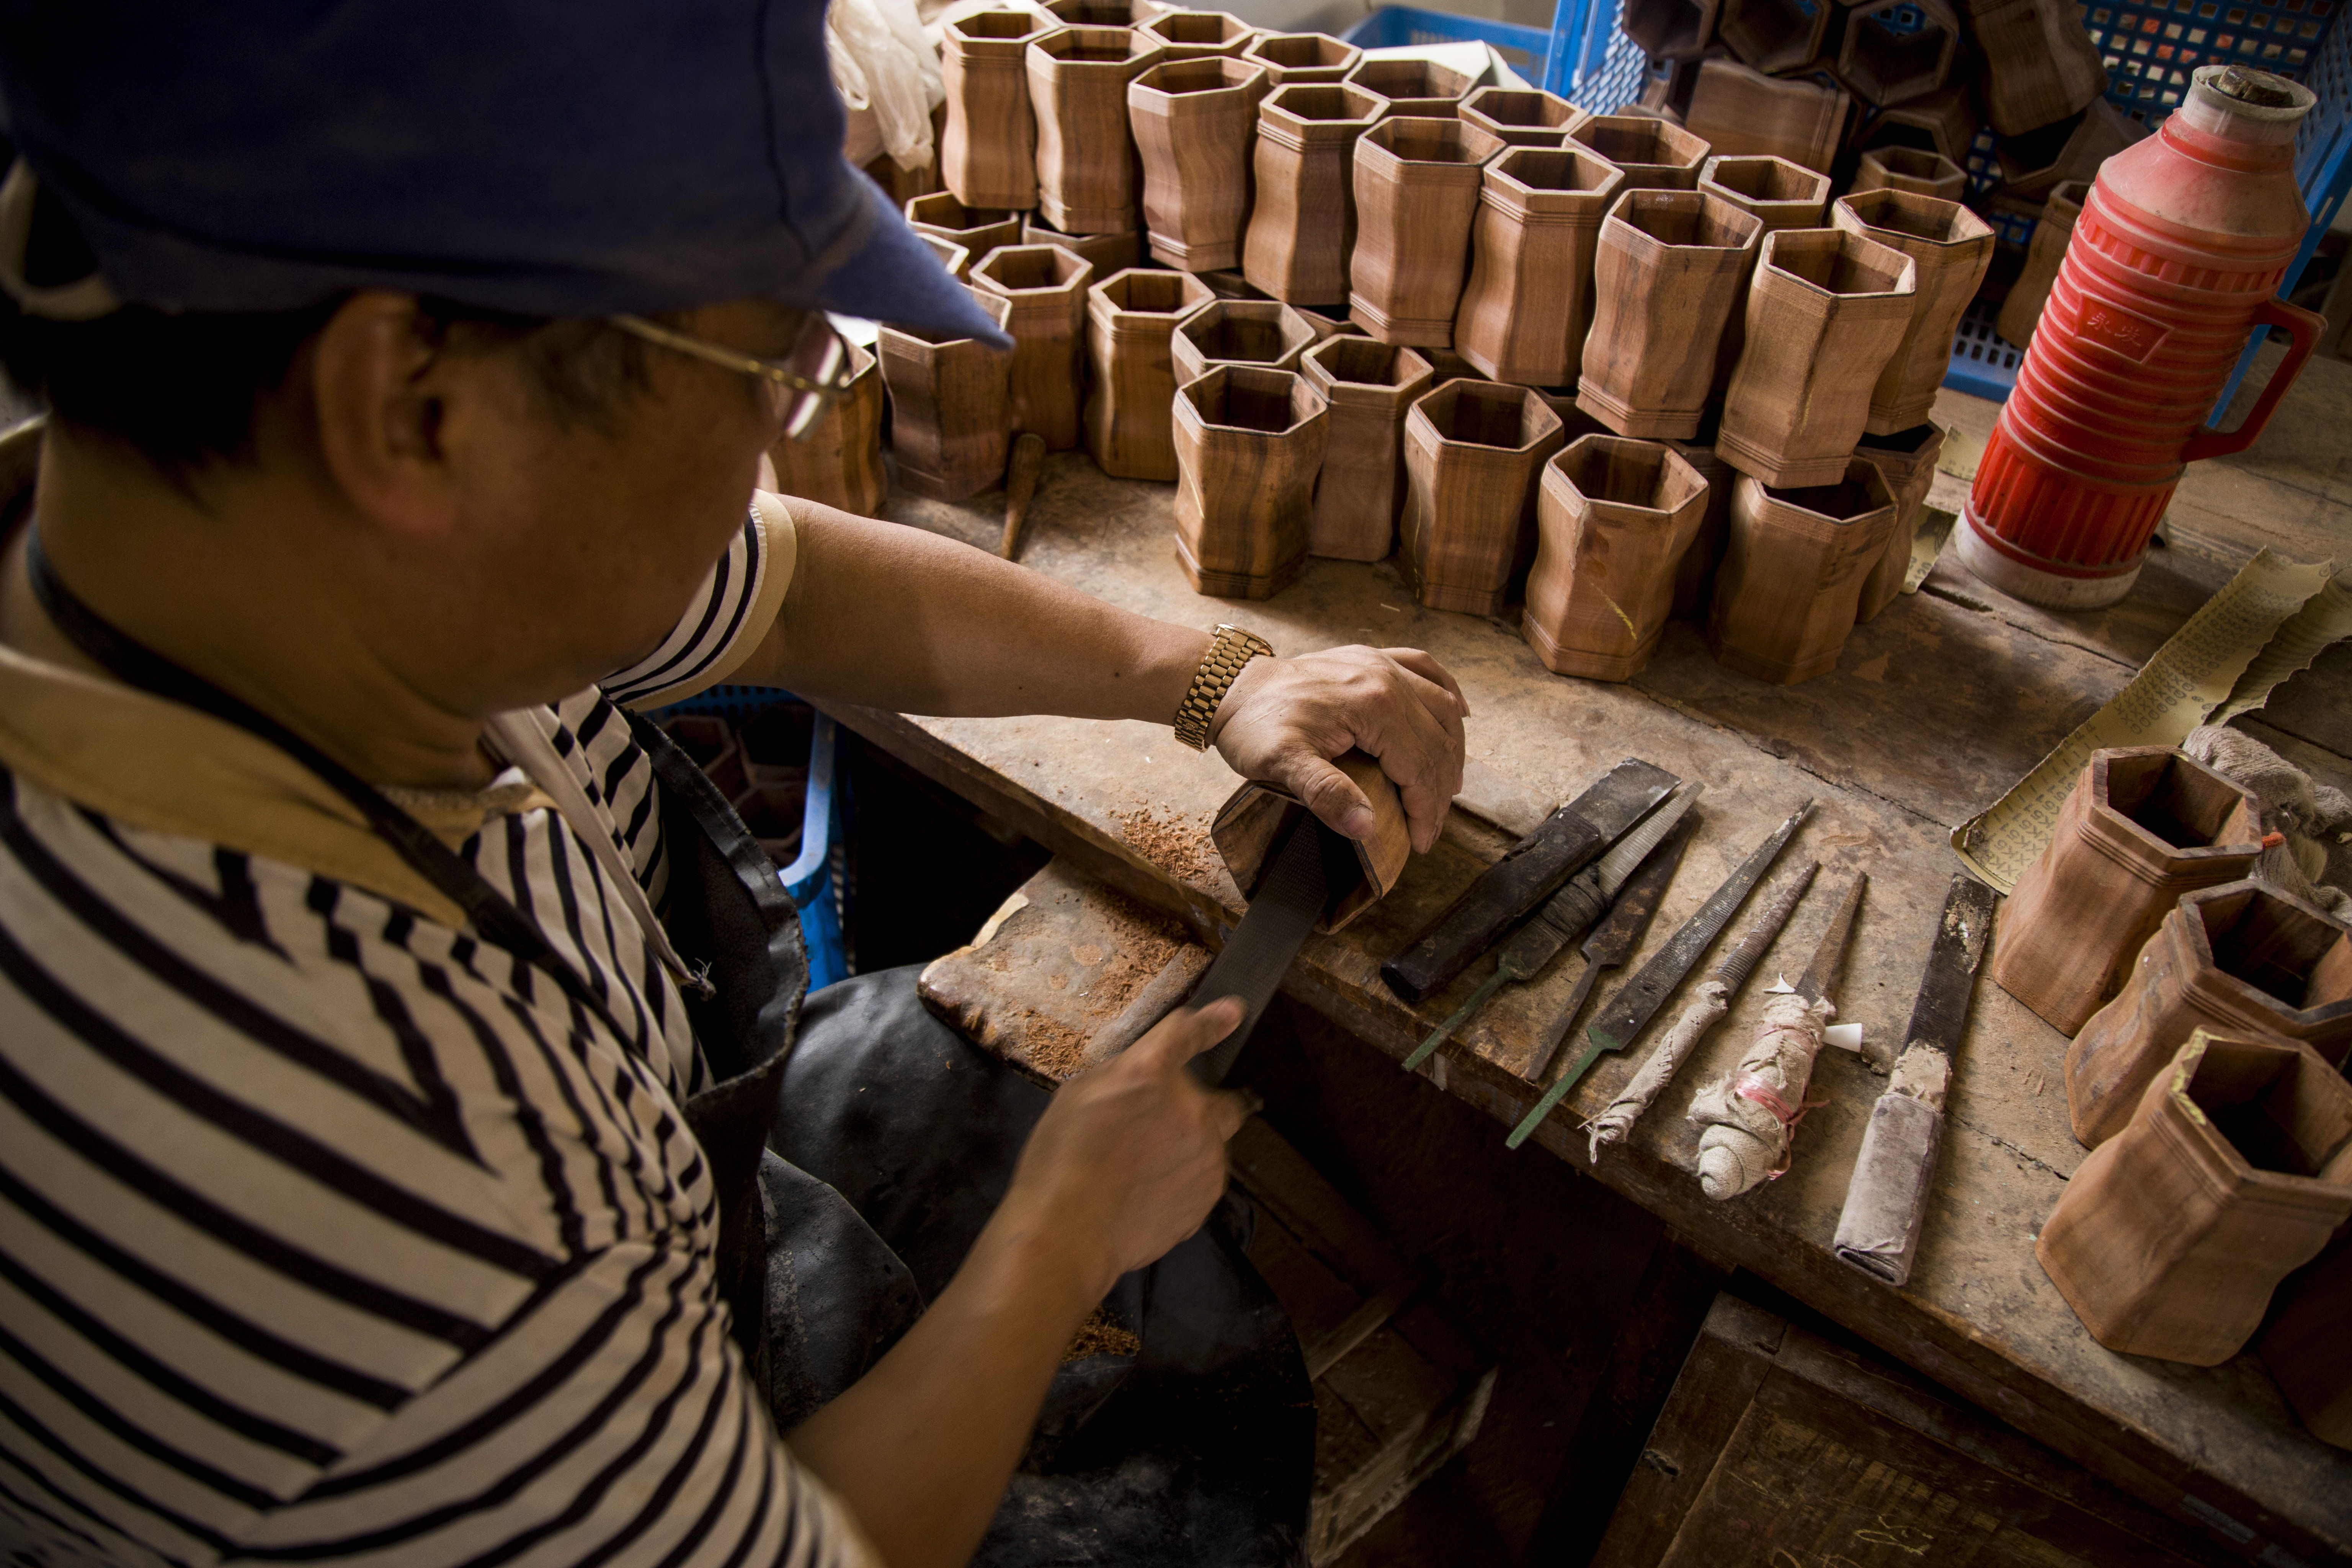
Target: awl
[(1638, 1001), (1568, 914), (1570, 839), (1887, 1197)]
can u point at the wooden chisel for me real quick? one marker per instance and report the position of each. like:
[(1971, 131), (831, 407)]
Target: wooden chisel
[(1887, 1197)]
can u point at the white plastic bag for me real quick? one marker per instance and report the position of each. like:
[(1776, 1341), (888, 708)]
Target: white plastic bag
[(882, 64)]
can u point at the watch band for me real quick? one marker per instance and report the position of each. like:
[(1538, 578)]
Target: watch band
[(1233, 649)]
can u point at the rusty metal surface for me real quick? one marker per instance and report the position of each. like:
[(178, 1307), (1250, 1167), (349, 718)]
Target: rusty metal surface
[(1935, 707)]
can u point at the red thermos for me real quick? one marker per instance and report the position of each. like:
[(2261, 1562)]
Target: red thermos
[(2178, 256)]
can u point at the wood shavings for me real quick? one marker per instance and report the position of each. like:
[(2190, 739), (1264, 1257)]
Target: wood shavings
[(1180, 848), (1099, 1336), (1052, 1048)]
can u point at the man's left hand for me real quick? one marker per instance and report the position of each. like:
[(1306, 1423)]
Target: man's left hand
[(1284, 720)]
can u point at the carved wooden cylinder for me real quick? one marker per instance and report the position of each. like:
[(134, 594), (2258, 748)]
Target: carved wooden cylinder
[(1369, 386), (1896, 50), (1738, 110), (1198, 35), (1417, 183), (1130, 318), (1911, 169), (1906, 461), (1413, 88), (1249, 440), (2242, 957), (1303, 227), (1522, 117), (977, 230), (1471, 452), (1047, 287), (1613, 518), (2142, 826), (2303, 1346), (1107, 253), (2023, 308), (1292, 58), (1951, 247), (2037, 63), (1654, 155), (838, 461), (950, 417), (1826, 311), (1778, 194), (1525, 312), (988, 154), (1791, 571), (2234, 1169), (1239, 331), (1669, 267), (1192, 121), (1086, 172)]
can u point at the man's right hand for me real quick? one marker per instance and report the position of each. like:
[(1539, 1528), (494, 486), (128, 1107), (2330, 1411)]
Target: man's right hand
[(1130, 1155)]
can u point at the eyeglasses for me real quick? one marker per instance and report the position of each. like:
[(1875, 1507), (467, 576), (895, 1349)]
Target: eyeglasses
[(804, 383)]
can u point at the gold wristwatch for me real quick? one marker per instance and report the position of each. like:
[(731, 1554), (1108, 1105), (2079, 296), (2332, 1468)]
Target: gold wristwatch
[(1233, 649)]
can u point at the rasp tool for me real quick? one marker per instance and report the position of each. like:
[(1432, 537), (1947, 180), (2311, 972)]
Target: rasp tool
[(1290, 900), (1568, 914), (1713, 1001), (1613, 942), (1887, 1197), (1638, 1001), (1530, 872)]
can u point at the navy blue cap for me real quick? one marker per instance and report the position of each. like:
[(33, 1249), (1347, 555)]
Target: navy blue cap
[(577, 160)]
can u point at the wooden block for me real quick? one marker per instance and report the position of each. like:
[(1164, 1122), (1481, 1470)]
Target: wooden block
[(1773, 35), (1369, 386), (1522, 117), (2242, 957), (1193, 120), (1670, 266), (978, 230), (1896, 50), (1289, 58), (1417, 183), (1249, 440), (1826, 311), (838, 460), (2021, 308), (1778, 194), (989, 154), (1046, 288), (1951, 247), (1413, 88), (1793, 573), (1239, 331), (1259, 815), (1302, 229), (2036, 61), (1528, 306), (2142, 826), (1130, 318), (951, 411), (1616, 517), (1654, 154), (2234, 1170), (1198, 35), (1472, 450), (1086, 176), (1737, 110), (1911, 169), (1106, 253)]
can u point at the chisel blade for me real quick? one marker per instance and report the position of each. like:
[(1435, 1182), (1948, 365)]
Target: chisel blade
[(1638, 1001), (1530, 872), (1886, 1199), (1290, 898)]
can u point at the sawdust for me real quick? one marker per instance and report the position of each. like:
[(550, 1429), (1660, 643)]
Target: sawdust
[(1180, 848), (1142, 943), (1051, 1047), (1099, 1336)]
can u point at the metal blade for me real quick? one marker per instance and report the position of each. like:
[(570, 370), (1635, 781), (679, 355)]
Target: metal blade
[(1630, 1011), (1257, 955), (1635, 846), (1941, 1011), (1815, 981), (1612, 942), (1742, 961)]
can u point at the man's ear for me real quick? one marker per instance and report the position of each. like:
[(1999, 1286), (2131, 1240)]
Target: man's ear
[(376, 382)]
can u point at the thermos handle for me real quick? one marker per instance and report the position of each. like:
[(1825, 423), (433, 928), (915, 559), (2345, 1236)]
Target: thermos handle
[(2304, 328)]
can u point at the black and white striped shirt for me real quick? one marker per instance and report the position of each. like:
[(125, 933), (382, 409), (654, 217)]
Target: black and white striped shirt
[(328, 1233)]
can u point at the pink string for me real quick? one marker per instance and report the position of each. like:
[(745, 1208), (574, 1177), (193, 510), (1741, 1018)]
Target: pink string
[(1749, 1087)]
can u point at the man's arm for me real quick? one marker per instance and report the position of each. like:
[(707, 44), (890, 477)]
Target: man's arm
[(900, 618)]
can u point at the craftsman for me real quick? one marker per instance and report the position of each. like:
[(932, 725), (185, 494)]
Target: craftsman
[(390, 1020)]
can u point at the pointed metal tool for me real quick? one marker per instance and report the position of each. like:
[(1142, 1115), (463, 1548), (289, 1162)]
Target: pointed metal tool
[(1815, 984), (1613, 942), (1564, 917), (1638, 1001)]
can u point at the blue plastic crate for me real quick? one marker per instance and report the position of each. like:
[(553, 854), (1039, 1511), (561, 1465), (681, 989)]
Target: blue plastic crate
[(814, 879)]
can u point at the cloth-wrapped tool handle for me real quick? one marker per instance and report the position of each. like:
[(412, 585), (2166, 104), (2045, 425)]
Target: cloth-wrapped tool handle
[(1879, 1231)]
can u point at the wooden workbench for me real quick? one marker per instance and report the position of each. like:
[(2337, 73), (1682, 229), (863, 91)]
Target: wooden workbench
[(1934, 709)]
